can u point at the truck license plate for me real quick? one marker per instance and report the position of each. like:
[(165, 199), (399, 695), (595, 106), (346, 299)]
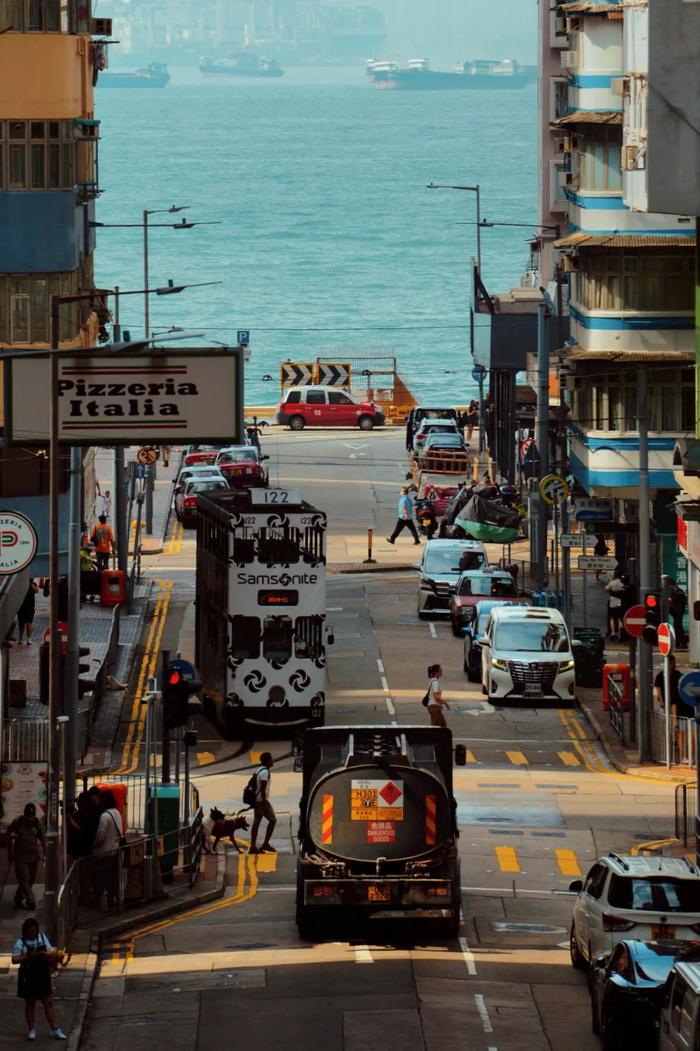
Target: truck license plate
[(379, 893)]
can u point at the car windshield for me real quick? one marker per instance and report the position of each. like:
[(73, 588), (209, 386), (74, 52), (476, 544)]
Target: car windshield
[(654, 962), (484, 584), (205, 486), (655, 894), (444, 441), (247, 454), (532, 636), (444, 559)]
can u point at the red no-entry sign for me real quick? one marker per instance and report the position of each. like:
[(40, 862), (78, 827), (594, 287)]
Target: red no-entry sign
[(667, 639), (634, 621)]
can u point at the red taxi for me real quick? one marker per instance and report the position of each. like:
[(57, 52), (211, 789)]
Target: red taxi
[(243, 466), (200, 454), (475, 585)]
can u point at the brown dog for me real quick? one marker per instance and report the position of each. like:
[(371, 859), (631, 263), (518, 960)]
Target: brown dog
[(218, 826)]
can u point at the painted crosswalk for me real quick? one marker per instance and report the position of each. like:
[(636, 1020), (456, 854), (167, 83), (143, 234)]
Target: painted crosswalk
[(510, 860), (520, 757)]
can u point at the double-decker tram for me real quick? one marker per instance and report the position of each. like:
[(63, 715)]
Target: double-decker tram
[(261, 609)]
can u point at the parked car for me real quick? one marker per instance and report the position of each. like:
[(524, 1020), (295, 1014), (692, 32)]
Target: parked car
[(327, 407), (186, 499), (679, 1028), (487, 582), (243, 466), (197, 454), (627, 992), (438, 444), (526, 654), (440, 568), (198, 471), (433, 428), (623, 896), (425, 412), (474, 631)]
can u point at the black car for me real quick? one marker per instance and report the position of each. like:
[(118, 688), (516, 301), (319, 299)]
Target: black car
[(627, 991)]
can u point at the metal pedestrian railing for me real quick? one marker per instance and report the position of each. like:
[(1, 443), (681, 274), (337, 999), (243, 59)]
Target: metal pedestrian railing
[(685, 808), (616, 711), (136, 803), (682, 739)]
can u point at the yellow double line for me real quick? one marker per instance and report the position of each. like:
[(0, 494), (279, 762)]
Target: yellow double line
[(585, 748), (131, 752), (174, 544), (246, 888)]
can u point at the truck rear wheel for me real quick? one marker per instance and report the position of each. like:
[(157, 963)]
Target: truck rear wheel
[(233, 724), (451, 926), (307, 925)]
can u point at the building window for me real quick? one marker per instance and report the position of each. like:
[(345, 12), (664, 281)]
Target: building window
[(44, 16), (609, 402), (24, 306), (38, 154), (643, 281), (598, 156)]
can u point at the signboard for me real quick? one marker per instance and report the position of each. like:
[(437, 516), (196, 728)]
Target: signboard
[(297, 374), (667, 639), (571, 539), (554, 489), (593, 509), (274, 497), (381, 831), (597, 562), (105, 398), (18, 542), (689, 688), (376, 800), (146, 455), (243, 337), (22, 783), (634, 621), (478, 373), (334, 375)]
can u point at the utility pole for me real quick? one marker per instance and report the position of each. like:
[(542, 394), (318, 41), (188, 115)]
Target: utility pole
[(542, 438), (121, 532), (644, 662), (70, 708)]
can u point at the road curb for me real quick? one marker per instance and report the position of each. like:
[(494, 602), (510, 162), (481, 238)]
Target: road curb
[(86, 986), (617, 761), (361, 567)]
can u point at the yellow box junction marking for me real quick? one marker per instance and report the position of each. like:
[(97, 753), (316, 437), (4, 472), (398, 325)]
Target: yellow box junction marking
[(567, 862), (507, 859), (569, 759), (517, 758), (203, 758), (254, 758), (470, 756)]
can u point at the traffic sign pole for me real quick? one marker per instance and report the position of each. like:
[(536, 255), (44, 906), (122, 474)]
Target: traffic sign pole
[(667, 708)]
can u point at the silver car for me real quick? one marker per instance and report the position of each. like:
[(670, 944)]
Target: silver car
[(440, 568)]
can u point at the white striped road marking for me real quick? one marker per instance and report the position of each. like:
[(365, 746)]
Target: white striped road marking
[(468, 956), (433, 632), (380, 665), (390, 706), (483, 1013), (385, 684), (363, 955)]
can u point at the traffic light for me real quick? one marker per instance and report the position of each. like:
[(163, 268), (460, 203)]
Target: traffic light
[(180, 700), (652, 607), (84, 685)]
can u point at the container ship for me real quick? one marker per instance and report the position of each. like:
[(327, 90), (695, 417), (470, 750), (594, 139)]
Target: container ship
[(243, 64), (155, 75), (478, 73)]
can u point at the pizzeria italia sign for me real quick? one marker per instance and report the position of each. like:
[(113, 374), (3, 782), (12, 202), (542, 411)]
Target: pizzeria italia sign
[(117, 399)]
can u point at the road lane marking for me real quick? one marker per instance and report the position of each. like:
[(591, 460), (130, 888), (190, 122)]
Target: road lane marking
[(507, 859), (203, 758), (483, 1013), (567, 862), (390, 706), (518, 758), (380, 665), (433, 632), (569, 759), (470, 756), (254, 758), (468, 956), (385, 684), (363, 955)]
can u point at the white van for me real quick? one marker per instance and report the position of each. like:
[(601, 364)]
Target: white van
[(526, 655), (680, 1016)]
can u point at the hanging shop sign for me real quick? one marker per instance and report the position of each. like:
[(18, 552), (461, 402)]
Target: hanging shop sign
[(18, 542)]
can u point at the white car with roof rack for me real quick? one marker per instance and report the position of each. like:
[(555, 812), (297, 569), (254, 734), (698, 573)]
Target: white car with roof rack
[(624, 896)]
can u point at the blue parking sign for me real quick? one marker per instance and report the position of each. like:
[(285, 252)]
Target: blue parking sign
[(243, 337)]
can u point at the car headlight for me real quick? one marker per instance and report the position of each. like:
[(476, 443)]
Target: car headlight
[(501, 665), (566, 666)]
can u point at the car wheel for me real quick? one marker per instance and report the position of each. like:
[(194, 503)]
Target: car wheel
[(365, 423), (577, 959), (595, 1025), (422, 615), (466, 670), (610, 1038), (473, 676), (296, 423)]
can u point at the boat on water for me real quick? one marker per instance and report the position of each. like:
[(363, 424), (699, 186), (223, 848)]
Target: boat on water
[(478, 73), (242, 64), (154, 75)]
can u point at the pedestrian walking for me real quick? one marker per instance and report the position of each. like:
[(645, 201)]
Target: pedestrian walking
[(25, 614), (404, 519), (25, 849), (677, 605), (108, 839), (37, 958), (435, 701), (470, 418), (165, 455), (103, 539), (103, 501), (616, 589), (262, 808)]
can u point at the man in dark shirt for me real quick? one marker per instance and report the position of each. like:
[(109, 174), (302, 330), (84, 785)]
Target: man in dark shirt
[(679, 708)]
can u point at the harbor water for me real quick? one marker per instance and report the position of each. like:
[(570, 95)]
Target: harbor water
[(326, 238)]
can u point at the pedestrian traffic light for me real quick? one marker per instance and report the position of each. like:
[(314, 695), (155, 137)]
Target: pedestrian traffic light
[(652, 607), (180, 700)]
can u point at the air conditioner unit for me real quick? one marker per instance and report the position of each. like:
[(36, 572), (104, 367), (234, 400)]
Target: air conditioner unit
[(620, 85), (572, 24), (568, 264), (568, 59), (558, 36), (568, 143), (101, 26), (629, 158), (87, 132)]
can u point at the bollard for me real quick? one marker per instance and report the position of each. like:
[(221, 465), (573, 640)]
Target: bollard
[(369, 560)]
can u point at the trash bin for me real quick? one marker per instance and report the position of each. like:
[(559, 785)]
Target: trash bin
[(112, 587), (164, 813)]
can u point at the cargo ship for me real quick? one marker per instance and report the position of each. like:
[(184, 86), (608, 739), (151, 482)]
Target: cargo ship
[(154, 75), (242, 64), (478, 73)]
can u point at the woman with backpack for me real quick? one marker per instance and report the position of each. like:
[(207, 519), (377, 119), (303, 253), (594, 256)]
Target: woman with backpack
[(36, 957), (433, 700)]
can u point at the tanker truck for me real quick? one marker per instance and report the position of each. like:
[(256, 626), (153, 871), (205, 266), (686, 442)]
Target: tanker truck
[(377, 828)]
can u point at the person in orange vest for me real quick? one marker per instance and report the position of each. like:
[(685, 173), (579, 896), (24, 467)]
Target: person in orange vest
[(103, 539)]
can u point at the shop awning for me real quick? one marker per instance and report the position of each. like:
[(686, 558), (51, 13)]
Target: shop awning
[(616, 240), (631, 357), (582, 116)]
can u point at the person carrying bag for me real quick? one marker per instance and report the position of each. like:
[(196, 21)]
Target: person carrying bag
[(37, 958), (433, 699)]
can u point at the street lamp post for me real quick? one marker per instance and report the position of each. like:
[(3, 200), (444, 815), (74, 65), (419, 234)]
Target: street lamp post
[(477, 191)]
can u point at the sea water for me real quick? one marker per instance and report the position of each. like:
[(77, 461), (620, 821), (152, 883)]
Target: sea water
[(326, 240)]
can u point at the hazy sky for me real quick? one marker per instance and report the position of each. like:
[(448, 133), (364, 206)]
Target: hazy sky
[(447, 31)]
